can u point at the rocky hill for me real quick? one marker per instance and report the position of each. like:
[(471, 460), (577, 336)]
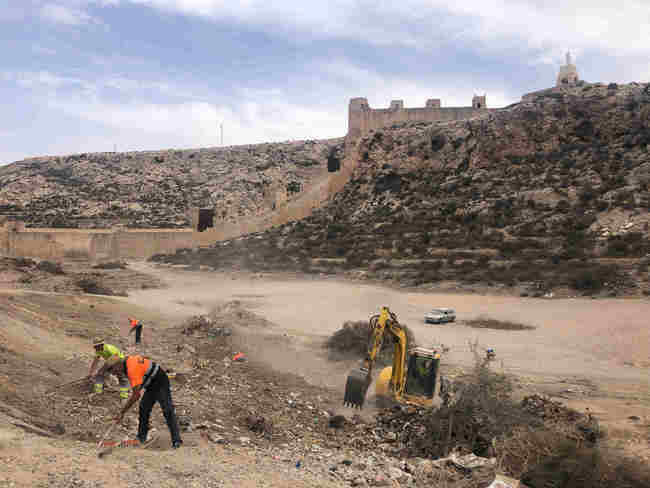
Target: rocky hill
[(156, 189), (545, 196)]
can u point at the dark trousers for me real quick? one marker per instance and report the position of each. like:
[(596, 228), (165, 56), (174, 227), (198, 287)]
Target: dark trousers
[(158, 391), (138, 333)]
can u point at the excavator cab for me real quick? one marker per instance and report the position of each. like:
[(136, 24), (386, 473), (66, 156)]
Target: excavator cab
[(422, 373)]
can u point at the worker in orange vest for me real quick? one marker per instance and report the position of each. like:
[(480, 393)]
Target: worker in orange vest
[(145, 374), (136, 326)]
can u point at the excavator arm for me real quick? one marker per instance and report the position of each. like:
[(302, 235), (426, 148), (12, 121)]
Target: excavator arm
[(382, 327)]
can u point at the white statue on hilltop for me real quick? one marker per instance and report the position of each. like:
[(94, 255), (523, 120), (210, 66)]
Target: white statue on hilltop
[(568, 74)]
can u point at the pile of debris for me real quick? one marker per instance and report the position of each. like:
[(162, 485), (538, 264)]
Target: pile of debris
[(548, 409), (351, 341), (196, 323)]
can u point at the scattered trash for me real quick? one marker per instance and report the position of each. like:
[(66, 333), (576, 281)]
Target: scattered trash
[(337, 422), (195, 323), (471, 461), (239, 357), (220, 332), (501, 481)]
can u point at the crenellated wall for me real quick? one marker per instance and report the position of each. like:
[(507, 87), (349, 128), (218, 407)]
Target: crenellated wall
[(362, 119)]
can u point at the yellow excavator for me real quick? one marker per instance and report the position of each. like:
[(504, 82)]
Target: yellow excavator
[(414, 377)]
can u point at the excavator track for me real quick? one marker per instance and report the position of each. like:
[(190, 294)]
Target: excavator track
[(356, 387)]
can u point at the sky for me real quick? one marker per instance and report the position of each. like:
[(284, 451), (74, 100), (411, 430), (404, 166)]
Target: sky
[(103, 75)]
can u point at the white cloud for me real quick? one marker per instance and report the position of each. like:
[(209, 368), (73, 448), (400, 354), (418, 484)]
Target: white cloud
[(61, 14), (42, 80), (45, 80), (380, 89), (620, 27), (194, 124), (254, 116)]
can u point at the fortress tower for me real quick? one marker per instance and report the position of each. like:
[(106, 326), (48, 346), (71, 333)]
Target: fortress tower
[(568, 74)]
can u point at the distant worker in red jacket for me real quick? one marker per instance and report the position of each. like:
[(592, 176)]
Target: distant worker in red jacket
[(136, 326)]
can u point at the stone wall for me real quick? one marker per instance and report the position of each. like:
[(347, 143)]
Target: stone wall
[(92, 244), (112, 244), (362, 119)]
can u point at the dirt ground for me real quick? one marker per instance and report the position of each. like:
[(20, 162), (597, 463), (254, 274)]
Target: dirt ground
[(605, 338), (588, 353)]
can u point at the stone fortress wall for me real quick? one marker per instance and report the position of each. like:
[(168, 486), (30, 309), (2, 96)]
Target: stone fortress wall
[(362, 119), (97, 245), (89, 244)]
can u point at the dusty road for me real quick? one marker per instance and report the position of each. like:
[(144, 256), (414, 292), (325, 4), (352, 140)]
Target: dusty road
[(573, 337)]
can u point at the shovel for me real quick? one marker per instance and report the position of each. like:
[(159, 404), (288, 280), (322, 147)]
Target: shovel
[(101, 442)]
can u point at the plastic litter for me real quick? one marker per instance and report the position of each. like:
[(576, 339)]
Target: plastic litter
[(501, 481)]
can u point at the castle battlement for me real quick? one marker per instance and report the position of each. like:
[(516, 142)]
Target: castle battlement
[(362, 118)]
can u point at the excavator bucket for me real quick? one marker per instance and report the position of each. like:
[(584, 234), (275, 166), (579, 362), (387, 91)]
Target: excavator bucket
[(356, 388)]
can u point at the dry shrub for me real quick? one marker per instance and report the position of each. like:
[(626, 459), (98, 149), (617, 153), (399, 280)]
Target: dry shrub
[(489, 323), (351, 341), (111, 265), (481, 417), (89, 285), (566, 465), (50, 267), (479, 410)]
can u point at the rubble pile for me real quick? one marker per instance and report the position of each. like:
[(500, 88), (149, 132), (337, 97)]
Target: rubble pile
[(351, 341), (548, 409)]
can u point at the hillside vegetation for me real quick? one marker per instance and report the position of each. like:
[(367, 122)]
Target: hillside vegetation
[(156, 189), (548, 195)]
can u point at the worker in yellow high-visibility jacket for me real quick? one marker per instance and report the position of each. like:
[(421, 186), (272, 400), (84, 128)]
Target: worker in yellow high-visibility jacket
[(104, 351)]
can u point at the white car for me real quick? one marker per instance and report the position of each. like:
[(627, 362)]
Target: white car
[(440, 316)]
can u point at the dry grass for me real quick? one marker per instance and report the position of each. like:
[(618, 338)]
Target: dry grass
[(489, 323)]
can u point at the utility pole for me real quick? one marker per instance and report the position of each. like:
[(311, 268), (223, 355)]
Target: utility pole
[(221, 133)]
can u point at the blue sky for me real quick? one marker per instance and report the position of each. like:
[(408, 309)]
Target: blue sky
[(92, 75)]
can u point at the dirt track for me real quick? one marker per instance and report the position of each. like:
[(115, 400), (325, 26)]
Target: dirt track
[(597, 339)]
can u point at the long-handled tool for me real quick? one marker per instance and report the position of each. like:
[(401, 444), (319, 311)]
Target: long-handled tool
[(66, 384), (101, 442)]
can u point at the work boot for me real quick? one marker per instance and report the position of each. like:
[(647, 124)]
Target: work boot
[(176, 444)]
